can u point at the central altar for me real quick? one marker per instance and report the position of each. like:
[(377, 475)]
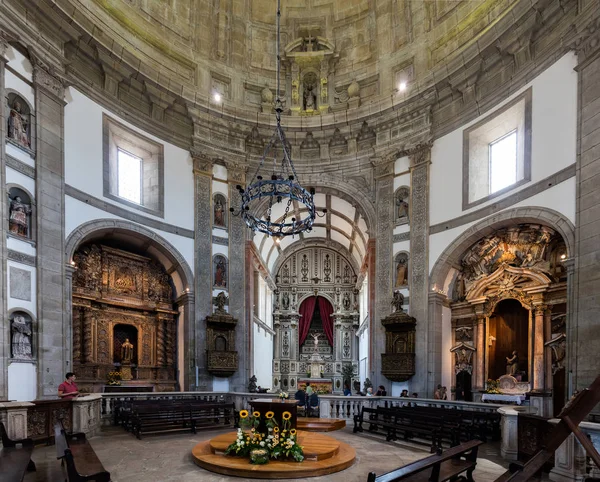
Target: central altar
[(319, 385)]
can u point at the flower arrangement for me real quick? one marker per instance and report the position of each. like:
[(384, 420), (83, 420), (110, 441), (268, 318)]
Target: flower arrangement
[(284, 395), (114, 378), (493, 386), (278, 442)]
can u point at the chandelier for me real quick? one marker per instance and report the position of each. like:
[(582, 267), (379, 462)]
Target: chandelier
[(280, 187)]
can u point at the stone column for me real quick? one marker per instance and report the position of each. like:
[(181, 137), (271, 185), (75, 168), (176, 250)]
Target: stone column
[(252, 276), (509, 448), (88, 338), (436, 303), (87, 417), (203, 269), (586, 356), (571, 328), (55, 342), (76, 317), (238, 232), (186, 364), (5, 328), (480, 354), (384, 175), (160, 341), (569, 461), (538, 347), (429, 332)]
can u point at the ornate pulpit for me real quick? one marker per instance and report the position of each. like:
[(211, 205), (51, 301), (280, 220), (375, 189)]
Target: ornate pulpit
[(222, 358), (398, 361)]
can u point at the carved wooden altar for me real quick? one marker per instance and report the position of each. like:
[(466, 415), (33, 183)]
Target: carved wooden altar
[(117, 292), (222, 358), (398, 361)]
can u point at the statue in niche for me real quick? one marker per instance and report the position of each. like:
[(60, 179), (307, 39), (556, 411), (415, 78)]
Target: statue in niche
[(219, 212), (310, 99), (126, 352), (295, 92), (346, 302), (324, 91), (315, 339), (401, 270), (21, 338), (402, 205), (18, 125), (458, 290), (285, 300), (220, 302), (18, 221), (220, 272), (398, 301), (512, 364)]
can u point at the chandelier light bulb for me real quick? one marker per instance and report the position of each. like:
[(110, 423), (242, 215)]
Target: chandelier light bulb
[(402, 86)]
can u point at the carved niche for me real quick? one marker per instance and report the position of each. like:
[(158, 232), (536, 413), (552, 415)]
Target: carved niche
[(398, 361), (222, 358), (20, 117)]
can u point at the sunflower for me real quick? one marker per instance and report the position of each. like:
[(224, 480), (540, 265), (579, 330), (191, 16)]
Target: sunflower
[(243, 413), (286, 415), (293, 431), (256, 414), (270, 415), (276, 429)]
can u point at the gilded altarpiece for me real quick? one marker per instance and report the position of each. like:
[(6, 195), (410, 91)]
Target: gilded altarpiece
[(117, 294)]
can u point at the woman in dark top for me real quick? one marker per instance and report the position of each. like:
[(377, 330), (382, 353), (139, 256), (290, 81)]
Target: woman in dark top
[(381, 392)]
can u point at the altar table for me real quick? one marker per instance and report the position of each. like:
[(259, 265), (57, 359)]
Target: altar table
[(503, 398), (276, 406)]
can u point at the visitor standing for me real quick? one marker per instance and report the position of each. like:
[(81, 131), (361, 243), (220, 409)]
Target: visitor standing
[(68, 390)]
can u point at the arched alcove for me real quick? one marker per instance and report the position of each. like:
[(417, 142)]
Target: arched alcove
[(21, 212)]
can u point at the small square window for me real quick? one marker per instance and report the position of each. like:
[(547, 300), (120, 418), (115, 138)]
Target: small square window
[(133, 168), (503, 162), (129, 176), (497, 152)]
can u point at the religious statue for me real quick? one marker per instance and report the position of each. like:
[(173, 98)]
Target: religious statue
[(398, 301), (21, 338), (18, 125), (324, 91), (310, 99), (458, 290), (346, 302), (220, 272), (219, 215), (126, 352), (401, 271), (512, 364), (221, 301), (285, 300), (402, 205), (18, 222), (315, 338), (295, 92)]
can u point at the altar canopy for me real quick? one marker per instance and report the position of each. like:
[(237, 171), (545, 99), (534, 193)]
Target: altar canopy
[(307, 310)]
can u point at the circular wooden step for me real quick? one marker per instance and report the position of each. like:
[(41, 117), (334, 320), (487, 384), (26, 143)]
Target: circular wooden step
[(323, 455), (320, 424)]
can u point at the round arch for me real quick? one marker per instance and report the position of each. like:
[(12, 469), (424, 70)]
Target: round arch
[(450, 257), (146, 239)]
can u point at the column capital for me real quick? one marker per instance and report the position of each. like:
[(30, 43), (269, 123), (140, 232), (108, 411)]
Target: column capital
[(383, 166), (202, 163), (419, 155), (236, 172), (541, 308)]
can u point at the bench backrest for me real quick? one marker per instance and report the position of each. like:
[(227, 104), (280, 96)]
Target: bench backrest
[(426, 463)]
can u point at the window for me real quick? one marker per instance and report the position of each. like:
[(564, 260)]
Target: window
[(497, 152), (133, 168), (503, 162), (129, 177)]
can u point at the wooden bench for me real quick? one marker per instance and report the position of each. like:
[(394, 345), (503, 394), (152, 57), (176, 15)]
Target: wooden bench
[(209, 415), (149, 419), (82, 462), (436, 468), (15, 457)]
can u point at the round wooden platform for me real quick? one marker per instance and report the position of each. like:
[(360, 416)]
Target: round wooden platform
[(309, 424), (323, 455)]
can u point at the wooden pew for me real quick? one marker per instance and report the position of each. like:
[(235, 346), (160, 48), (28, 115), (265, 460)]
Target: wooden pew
[(437, 468), (15, 457), (82, 462), (209, 415), (172, 417)]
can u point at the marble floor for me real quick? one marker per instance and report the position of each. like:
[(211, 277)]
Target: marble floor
[(166, 458)]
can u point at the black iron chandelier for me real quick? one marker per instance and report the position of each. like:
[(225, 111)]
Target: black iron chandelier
[(281, 186)]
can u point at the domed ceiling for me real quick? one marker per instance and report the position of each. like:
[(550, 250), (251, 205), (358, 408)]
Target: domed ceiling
[(364, 50)]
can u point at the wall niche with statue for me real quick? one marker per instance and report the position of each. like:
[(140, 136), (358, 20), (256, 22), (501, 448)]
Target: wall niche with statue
[(20, 122), (21, 213)]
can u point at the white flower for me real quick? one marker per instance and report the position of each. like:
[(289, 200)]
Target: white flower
[(262, 444), (242, 443)]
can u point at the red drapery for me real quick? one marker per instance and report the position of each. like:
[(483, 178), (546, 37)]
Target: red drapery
[(307, 308), (326, 311)]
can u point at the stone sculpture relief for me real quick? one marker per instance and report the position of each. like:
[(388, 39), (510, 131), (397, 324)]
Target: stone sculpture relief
[(401, 277), (398, 301), (402, 197), (19, 121), (463, 353), (21, 336), (220, 271), (19, 215), (346, 303)]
